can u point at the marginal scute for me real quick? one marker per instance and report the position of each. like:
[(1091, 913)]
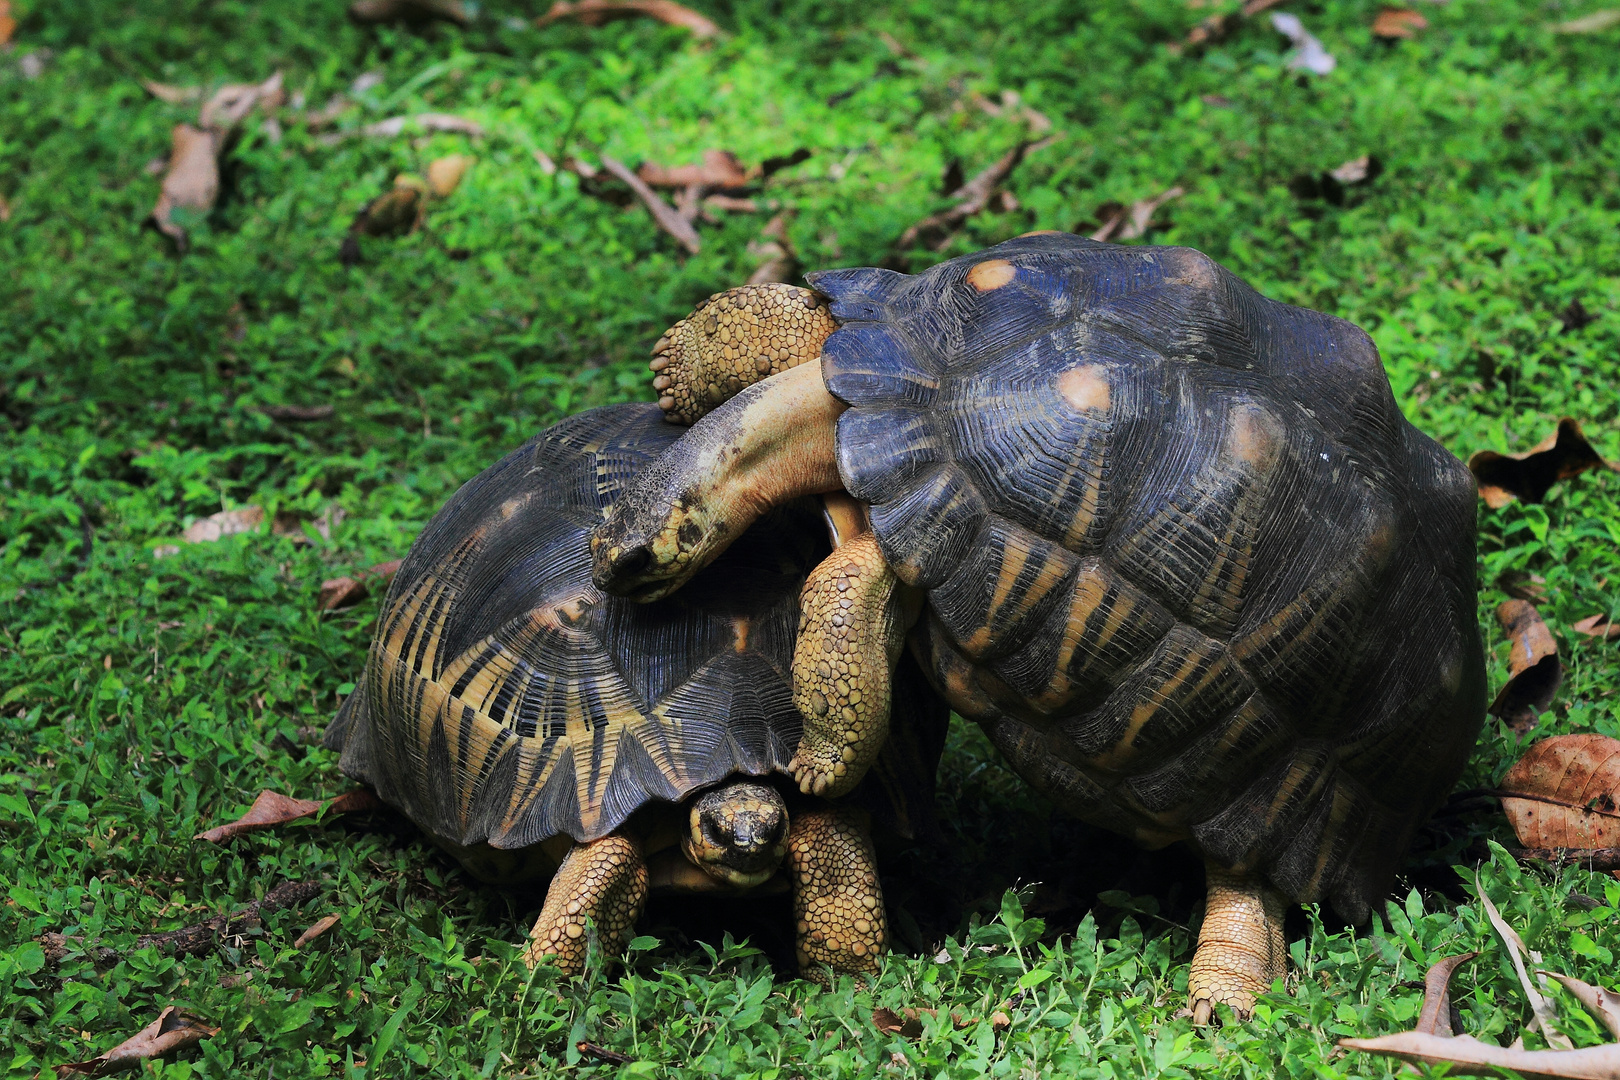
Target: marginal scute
[(870, 364), (881, 451), (926, 531)]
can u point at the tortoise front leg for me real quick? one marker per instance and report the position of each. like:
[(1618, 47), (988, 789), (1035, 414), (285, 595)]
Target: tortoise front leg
[(837, 901), (1240, 946), (851, 630), (733, 340), (604, 881)]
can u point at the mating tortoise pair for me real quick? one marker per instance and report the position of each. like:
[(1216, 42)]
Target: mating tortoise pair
[(1171, 544)]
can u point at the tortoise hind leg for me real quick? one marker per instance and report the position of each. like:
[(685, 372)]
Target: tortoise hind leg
[(604, 881), (1240, 946), (837, 900), (851, 628), (733, 340)]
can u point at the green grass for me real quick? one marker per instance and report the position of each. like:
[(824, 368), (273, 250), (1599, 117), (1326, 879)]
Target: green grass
[(143, 700)]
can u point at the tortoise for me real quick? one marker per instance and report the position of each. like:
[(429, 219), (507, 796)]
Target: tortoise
[(534, 727), (1181, 556)]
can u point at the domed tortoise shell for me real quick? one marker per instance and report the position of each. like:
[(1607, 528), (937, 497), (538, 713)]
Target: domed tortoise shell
[(1184, 559), (506, 701)]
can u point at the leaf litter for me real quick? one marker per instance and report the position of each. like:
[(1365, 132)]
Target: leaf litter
[(1394, 24), (342, 592), (191, 181), (173, 1031), (1309, 53), (1534, 670), (598, 12), (1528, 475), (1568, 790), (272, 808)]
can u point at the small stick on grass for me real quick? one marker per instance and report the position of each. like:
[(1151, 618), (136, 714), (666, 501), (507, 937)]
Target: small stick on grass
[(602, 1053), (668, 219)]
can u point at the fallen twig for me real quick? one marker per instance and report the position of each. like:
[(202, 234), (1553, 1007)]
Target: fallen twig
[(1603, 858), (597, 12), (664, 214), (190, 940), (602, 1053), (971, 198), (1130, 222)]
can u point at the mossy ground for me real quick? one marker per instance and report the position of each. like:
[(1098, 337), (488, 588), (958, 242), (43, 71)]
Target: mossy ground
[(142, 700)]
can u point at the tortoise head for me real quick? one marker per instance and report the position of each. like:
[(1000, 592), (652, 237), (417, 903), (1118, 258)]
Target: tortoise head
[(737, 833)]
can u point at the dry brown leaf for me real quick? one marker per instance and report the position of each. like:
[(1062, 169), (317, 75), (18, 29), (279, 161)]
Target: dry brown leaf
[(1534, 672), (1356, 170), (8, 23), (172, 1031), (298, 412), (1392, 23), (720, 169), (1470, 1057), (192, 180), (908, 1022), (597, 12), (1588, 24), (1218, 26), (1545, 1015), (225, 523), (413, 11), (315, 931), (173, 95), (1130, 222), (1598, 626), (342, 592), (429, 122), (231, 104), (1523, 585), (1604, 1004), (1000, 1021), (5, 210), (271, 809), (1527, 475), (444, 175), (664, 214), (1435, 1019), (1571, 785), (397, 210), (777, 260)]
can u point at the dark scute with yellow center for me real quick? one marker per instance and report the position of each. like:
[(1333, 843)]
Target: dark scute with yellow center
[(507, 702), (737, 833), (1185, 561)]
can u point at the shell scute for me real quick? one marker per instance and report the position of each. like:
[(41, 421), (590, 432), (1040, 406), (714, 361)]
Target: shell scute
[(871, 364), (881, 451), (926, 531), (1004, 590)]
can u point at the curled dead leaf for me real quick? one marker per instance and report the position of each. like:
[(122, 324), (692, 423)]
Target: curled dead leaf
[(427, 122), (1393, 23), (231, 104), (173, 1030), (1570, 793), (1534, 671), (936, 230), (597, 12), (1527, 476), (1133, 221), (1435, 1019), (1309, 54), (1478, 1058), (8, 22), (172, 95), (1597, 626), (397, 210), (1604, 1004), (272, 808), (225, 523), (908, 1022), (444, 175), (192, 180), (773, 249), (342, 592), (719, 169), (1545, 1015), (315, 931)]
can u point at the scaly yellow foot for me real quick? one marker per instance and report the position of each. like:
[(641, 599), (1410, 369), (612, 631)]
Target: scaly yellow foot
[(1240, 946), (604, 881), (733, 340), (837, 901)]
